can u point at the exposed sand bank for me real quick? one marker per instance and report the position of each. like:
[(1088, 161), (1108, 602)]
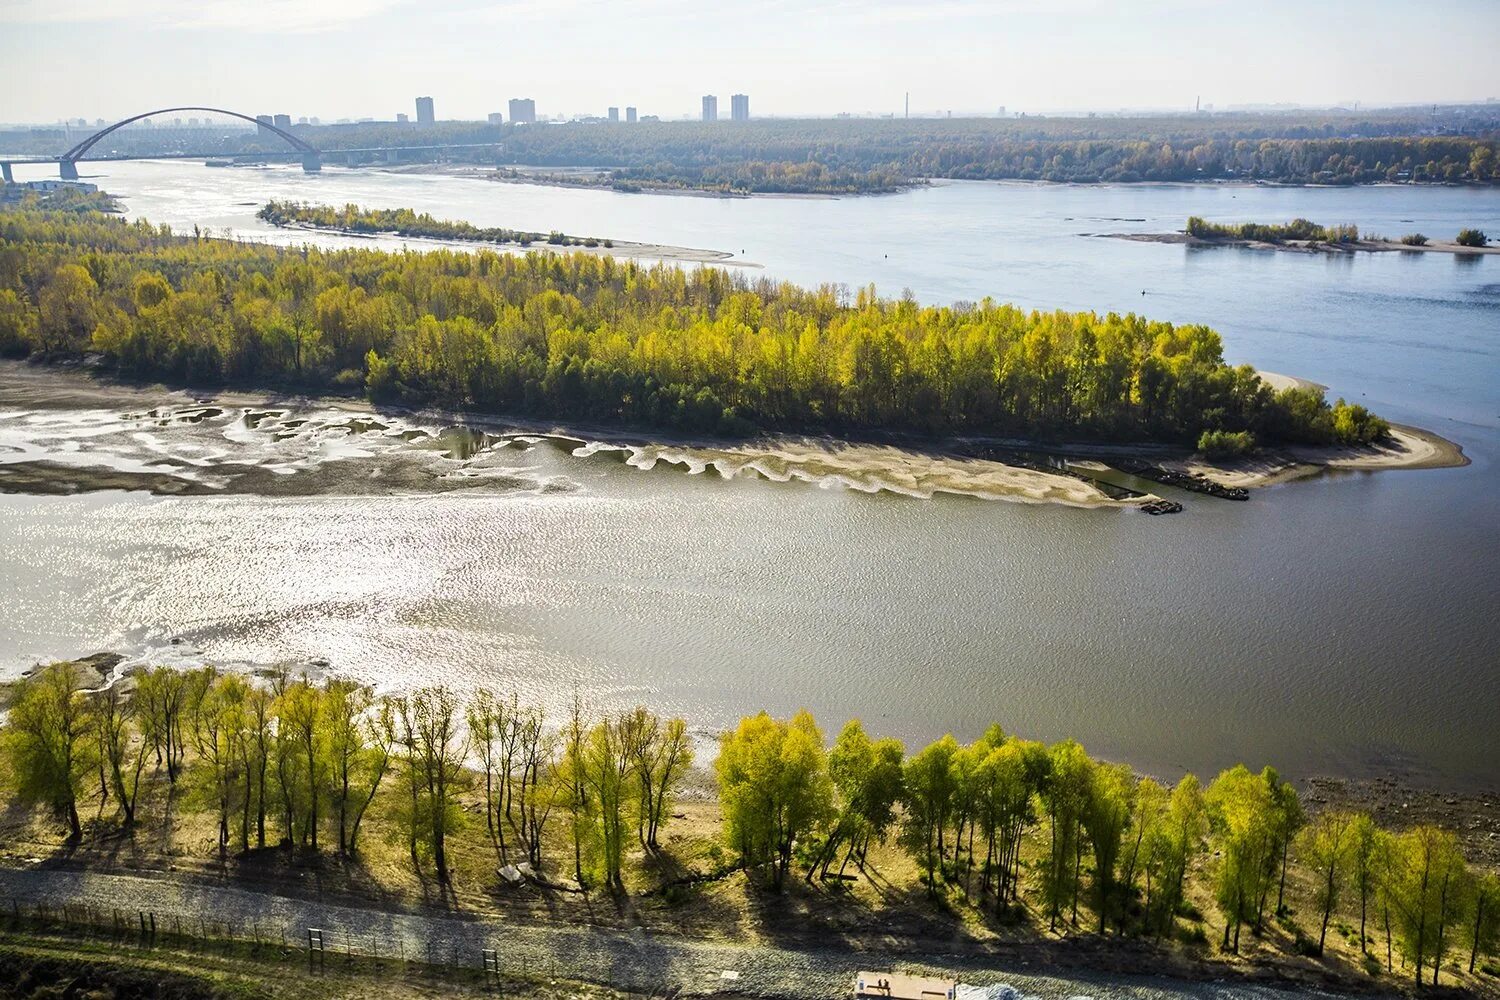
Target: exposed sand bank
[(62, 432), (619, 248), (66, 431), (1283, 382)]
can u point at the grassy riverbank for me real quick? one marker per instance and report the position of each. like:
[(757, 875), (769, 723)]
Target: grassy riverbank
[(193, 823), (37, 957)]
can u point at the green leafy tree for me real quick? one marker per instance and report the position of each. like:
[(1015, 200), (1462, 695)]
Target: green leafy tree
[(1327, 846), (773, 787), (1364, 857), (931, 785), (1178, 841), (1425, 887), (1106, 816), (868, 783), (1484, 928), (1066, 796), (1245, 819), (47, 741)]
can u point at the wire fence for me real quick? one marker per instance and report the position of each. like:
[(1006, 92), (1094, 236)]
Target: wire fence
[(323, 949)]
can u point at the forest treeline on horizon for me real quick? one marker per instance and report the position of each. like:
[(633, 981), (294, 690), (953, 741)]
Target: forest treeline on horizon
[(871, 155)]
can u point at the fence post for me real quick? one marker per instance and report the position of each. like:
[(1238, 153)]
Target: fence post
[(314, 944)]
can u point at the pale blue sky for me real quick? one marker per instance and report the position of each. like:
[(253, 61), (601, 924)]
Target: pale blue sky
[(352, 58)]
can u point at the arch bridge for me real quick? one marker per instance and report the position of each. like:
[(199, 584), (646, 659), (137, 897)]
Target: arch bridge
[(312, 160)]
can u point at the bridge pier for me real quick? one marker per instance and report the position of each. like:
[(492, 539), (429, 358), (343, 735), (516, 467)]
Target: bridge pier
[(68, 169), (312, 163), (5, 172)]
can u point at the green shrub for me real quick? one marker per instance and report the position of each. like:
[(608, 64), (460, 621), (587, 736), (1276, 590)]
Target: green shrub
[(1353, 424), (1226, 444), (1414, 240), (1194, 935), (1472, 238)]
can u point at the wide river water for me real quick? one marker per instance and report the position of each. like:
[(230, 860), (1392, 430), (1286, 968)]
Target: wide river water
[(1344, 625)]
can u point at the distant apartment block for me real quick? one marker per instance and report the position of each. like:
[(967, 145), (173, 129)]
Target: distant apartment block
[(630, 116), (425, 115), (496, 118), (614, 114), (402, 118), (710, 108), (739, 108), (263, 124), (522, 109), (282, 121)]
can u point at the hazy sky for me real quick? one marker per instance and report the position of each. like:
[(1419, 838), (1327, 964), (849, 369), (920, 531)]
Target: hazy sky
[(354, 58)]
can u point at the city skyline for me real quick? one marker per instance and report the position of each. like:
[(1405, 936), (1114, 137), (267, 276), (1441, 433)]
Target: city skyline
[(799, 58)]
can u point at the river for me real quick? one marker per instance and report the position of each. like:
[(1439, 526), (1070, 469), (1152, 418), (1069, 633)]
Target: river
[(1344, 625)]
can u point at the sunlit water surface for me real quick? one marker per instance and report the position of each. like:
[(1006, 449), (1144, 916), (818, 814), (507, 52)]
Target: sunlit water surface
[(1342, 625)]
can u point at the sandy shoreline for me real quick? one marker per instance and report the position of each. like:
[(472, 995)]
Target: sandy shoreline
[(1080, 474), (620, 248), (1302, 246)]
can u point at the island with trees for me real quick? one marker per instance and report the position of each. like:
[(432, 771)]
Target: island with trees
[(1305, 236), (590, 338), (405, 223), (260, 779)]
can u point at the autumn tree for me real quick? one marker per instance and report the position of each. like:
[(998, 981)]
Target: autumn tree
[(1106, 815), (435, 749), (301, 712), (46, 738), (1177, 841), (1327, 845), (773, 787), (931, 787), (868, 782), (1065, 795), (1425, 888), (1243, 812), (122, 753), (660, 754), (1484, 926)]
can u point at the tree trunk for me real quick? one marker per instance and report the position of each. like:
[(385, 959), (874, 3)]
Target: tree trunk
[(1363, 902), (1389, 965), (1478, 924)]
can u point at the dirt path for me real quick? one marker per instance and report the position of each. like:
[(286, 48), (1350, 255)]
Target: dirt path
[(635, 960)]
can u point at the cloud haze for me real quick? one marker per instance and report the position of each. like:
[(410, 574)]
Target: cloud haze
[(352, 58)]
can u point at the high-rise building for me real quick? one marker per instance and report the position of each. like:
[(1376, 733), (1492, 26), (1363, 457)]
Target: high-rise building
[(281, 121), (496, 118), (739, 108), (402, 118), (614, 114), (630, 116), (424, 111), (522, 109), (263, 124), (710, 108)]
